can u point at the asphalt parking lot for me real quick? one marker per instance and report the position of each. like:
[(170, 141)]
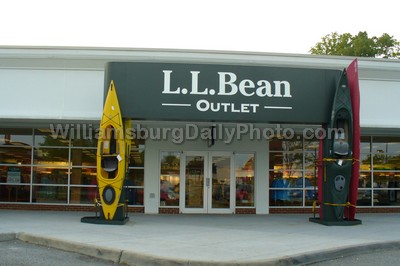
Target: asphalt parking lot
[(205, 239), (16, 252)]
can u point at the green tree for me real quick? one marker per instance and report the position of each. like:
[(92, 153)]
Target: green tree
[(385, 46)]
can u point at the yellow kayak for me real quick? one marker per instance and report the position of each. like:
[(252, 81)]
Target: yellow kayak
[(111, 152)]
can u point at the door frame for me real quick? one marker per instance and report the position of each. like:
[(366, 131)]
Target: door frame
[(207, 187), (182, 188)]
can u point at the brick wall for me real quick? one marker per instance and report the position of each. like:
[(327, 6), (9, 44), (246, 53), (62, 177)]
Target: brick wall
[(140, 209), (290, 210), (168, 210), (309, 210), (378, 210), (43, 207), (245, 211)]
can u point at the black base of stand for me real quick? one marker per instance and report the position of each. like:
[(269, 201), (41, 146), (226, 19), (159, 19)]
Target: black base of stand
[(98, 220), (335, 223), (120, 217)]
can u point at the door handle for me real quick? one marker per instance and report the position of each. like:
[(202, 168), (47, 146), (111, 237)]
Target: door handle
[(207, 182)]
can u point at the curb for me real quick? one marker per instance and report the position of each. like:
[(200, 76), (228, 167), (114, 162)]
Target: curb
[(301, 259), (8, 237), (133, 258), (334, 253), (85, 249)]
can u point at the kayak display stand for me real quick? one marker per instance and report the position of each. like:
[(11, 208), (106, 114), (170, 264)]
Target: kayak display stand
[(335, 223), (120, 217), (336, 162), (113, 153)]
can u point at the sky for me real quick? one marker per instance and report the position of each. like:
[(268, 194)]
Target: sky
[(277, 26)]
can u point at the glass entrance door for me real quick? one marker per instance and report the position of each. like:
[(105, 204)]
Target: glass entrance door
[(207, 183), (195, 169)]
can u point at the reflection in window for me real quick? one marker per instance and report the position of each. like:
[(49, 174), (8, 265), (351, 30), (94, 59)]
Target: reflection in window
[(83, 176), (137, 153), (137, 158), (365, 154), (194, 181), (277, 144), (365, 144), (386, 180), (61, 166), (311, 145), (15, 161), (49, 194), (284, 197), (15, 193), (385, 153), (386, 145), (387, 197), (169, 178), (15, 155), (310, 196), (47, 137), (293, 172), (286, 161), (244, 179), (83, 135), (293, 178), (51, 156), (311, 177), (83, 195), (83, 157), (364, 180), (220, 181), (365, 197), (135, 177), (135, 174), (48, 175), (386, 161), (135, 196), (365, 161), (16, 137), (310, 159), (15, 174), (379, 181)]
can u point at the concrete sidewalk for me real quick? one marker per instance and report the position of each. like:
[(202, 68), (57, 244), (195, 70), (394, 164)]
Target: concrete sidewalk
[(203, 239)]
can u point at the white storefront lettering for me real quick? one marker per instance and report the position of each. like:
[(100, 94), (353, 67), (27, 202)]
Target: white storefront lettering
[(229, 85)]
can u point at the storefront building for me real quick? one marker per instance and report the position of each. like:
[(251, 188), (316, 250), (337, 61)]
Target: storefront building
[(213, 132)]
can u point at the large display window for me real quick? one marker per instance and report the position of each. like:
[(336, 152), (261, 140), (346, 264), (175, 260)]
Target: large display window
[(43, 166), (244, 171), (135, 174), (16, 149), (169, 178), (293, 171)]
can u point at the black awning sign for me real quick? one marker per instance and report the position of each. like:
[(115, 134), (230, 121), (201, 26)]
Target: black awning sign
[(201, 92)]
